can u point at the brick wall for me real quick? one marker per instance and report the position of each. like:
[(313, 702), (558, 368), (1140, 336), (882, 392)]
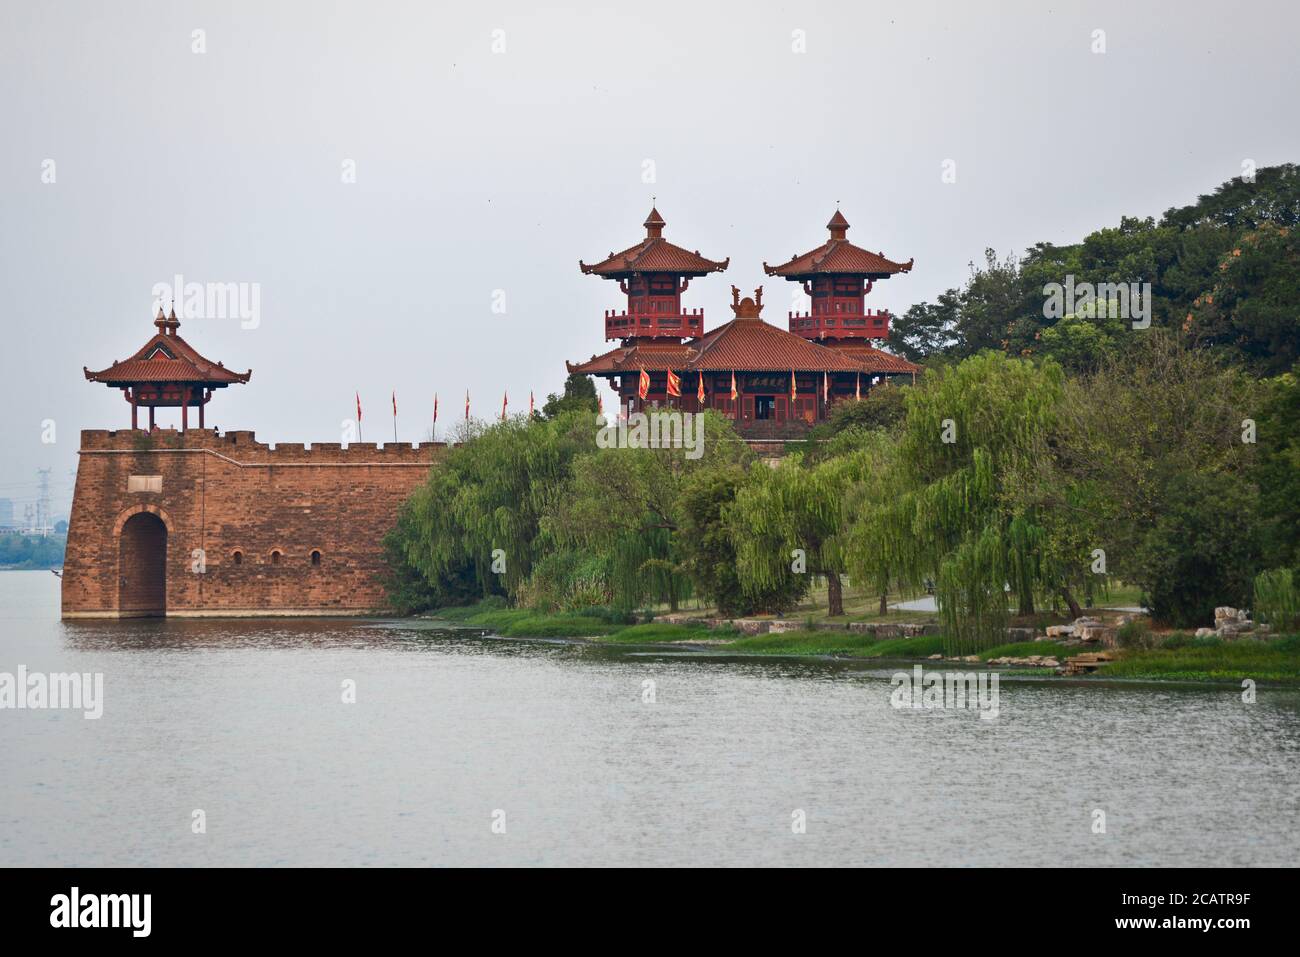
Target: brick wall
[(242, 520)]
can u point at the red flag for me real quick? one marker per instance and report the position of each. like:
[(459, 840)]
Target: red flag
[(467, 405), (674, 384), (530, 403), (435, 408), (734, 393), (794, 390), (699, 394), (394, 402), (505, 397), (358, 407), (643, 384)]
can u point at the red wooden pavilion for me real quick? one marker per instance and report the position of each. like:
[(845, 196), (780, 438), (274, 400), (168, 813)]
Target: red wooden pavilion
[(167, 371)]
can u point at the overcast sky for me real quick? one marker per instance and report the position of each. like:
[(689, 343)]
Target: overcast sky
[(478, 171)]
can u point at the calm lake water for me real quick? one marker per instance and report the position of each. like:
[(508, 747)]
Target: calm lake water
[(244, 720)]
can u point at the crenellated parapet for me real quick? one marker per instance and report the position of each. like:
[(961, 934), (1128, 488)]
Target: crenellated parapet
[(242, 447)]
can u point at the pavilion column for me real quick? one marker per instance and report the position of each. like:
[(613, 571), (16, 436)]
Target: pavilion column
[(186, 376)]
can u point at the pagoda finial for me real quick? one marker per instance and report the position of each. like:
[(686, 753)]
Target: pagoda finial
[(838, 224), (747, 308), (160, 320), (654, 223), (172, 322)]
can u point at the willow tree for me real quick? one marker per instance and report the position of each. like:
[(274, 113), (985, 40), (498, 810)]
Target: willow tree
[(478, 513), (869, 559), (708, 552), (626, 504), (947, 516), (790, 520)]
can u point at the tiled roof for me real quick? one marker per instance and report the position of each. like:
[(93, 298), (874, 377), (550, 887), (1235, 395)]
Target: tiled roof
[(653, 357), (166, 357), (877, 360), (654, 254), (743, 345), (838, 256), (752, 345)]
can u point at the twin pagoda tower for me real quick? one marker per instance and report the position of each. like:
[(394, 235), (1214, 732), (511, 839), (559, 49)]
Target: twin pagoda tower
[(773, 382)]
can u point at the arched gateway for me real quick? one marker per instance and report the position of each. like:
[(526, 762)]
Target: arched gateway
[(142, 566)]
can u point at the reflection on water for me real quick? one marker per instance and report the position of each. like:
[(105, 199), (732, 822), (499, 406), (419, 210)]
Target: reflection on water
[(244, 719)]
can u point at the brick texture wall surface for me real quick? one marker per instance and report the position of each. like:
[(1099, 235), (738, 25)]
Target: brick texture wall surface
[(242, 520)]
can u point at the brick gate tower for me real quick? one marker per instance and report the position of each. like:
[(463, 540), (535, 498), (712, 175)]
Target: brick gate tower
[(190, 522)]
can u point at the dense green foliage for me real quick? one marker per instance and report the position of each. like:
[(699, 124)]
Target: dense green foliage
[(1277, 598), (1041, 457), (1224, 274), (787, 522), (579, 396), (709, 553)]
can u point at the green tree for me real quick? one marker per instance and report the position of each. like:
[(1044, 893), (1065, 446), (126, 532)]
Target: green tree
[(1278, 470), (625, 503), (994, 297), (708, 550), (1122, 439), (946, 514), (1203, 550), (477, 516), (1273, 197), (1251, 307), (791, 516), (882, 408), (926, 328), (579, 396)]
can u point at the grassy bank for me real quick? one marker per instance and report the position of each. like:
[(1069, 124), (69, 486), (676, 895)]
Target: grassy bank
[(1276, 660), (1177, 658), (607, 626), (522, 623)]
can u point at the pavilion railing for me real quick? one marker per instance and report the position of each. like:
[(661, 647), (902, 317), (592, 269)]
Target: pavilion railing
[(871, 325), (623, 325)]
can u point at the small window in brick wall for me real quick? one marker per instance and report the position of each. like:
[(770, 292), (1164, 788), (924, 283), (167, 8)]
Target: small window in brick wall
[(238, 557), (315, 556), (275, 558)]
